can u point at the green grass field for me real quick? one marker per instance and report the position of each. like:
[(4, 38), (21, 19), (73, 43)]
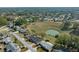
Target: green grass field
[(41, 27)]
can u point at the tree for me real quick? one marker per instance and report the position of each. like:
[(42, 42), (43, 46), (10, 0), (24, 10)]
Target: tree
[(67, 41), (20, 22), (75, 25), (75, 30), (63, 38), (66, 25), (62, 41), (34, 19), (3, 21)]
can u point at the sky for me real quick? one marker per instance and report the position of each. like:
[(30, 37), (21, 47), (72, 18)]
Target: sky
[(39, 3)]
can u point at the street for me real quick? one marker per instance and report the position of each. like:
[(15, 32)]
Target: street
[(23, 42)]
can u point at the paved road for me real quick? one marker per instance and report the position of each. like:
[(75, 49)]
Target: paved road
[(23, 42), (3, 28)]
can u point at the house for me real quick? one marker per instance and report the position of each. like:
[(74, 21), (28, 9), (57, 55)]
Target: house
[(46, 46), (33, 39), (11, 47), (48, 19), (11, 25), (17, 28), (21, 30), (75, 31), (7, 40), (10, 17)]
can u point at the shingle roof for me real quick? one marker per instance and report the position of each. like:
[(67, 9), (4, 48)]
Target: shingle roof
[(12, 47), (7, 40), (34, 39)]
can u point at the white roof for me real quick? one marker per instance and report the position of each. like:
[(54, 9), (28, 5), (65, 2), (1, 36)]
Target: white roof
[(46, 45)]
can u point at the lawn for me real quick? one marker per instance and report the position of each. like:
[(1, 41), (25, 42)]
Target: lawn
[(39, 49), (42, 27)]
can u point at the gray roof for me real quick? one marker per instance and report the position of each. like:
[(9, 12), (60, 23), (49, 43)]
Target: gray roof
[(46, 45), (34, 39), (20, 29), (7, 40), (17, 27), (10, 24), (12, 47), (58, 50)]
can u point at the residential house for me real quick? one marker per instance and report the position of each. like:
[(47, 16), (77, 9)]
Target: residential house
[(21, 30), (75, 31), (7, 40), (11, 25), (34, 39), (10, 46)]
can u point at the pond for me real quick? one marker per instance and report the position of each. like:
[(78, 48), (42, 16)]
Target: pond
[(52, 32)]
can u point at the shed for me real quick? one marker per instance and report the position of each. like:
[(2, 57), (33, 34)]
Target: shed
[(46, 45)]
